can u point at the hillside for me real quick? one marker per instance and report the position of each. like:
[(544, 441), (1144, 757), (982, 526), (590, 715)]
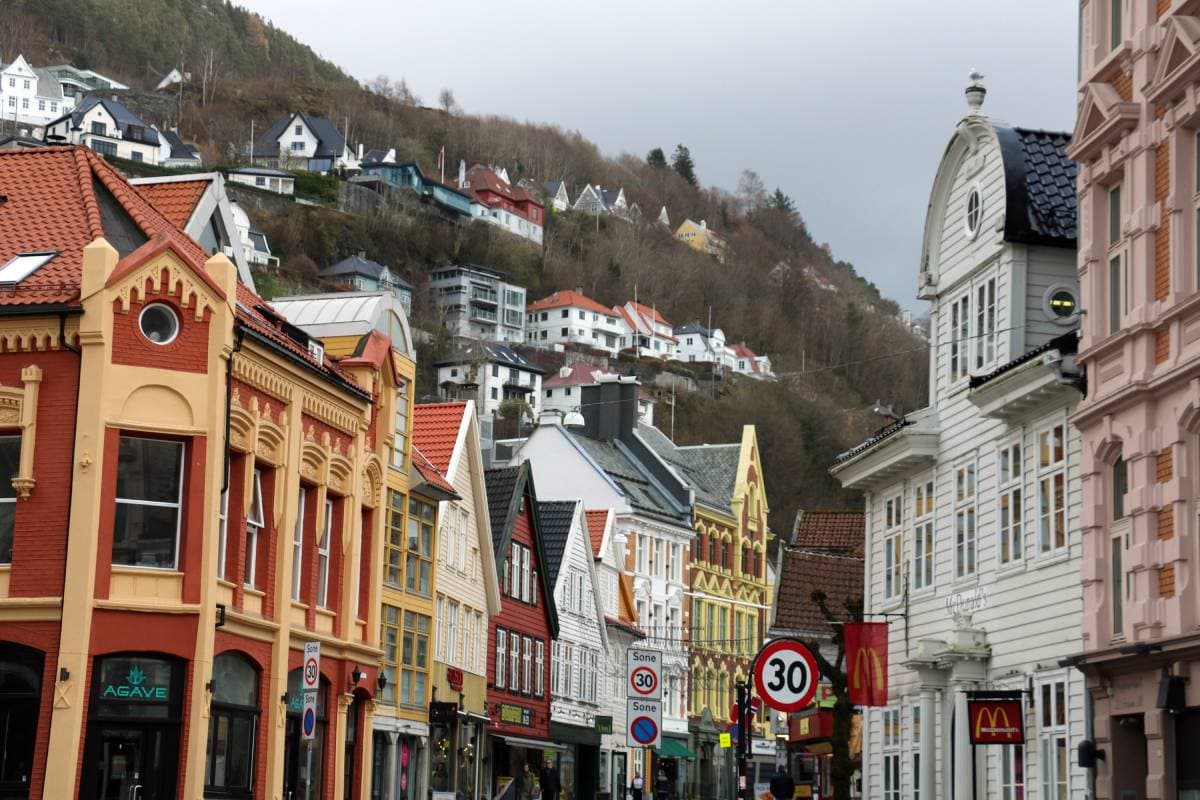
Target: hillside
[(779, 291)]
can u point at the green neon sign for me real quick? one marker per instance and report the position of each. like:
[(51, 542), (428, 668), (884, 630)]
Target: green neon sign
[(134, 688)]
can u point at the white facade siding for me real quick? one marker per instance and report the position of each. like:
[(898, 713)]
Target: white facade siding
[(492, 378), (574, 325), (579, 659), (1024, 614)]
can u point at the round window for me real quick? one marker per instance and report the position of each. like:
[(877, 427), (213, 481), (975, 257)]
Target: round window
[(974, 211), (1061, 304), (159, 323)]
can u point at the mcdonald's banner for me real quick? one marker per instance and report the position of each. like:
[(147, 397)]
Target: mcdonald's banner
[(996, 721), (867, 662)]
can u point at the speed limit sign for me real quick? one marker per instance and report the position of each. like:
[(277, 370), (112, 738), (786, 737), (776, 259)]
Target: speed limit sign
[(785, 675)]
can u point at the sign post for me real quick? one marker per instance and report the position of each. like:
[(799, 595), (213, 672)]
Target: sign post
[(310, 681), (644, 674), (643, 692)]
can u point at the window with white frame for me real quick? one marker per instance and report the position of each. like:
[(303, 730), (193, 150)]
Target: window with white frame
[(1052, 489), (448, 545), (298, 545), (891, 754), (439, 621), (148, 500), (222, 534), (254, 524), (964, 521), (323, 556), (514, 661), (539, 668), (1118, 280), (1052, 739), (1011, 511), (641, 553), (984, 332), (453, 609), (1119, 583), (555, 667), (501, 657), (400, 443), (1012, 772), (960, 337), (893, 547), (922, 569), (464, 525), (527, 665)]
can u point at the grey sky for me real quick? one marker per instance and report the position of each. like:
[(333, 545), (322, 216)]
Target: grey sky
[(844, 104)]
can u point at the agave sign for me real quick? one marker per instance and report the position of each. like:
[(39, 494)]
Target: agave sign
[(134, 687)]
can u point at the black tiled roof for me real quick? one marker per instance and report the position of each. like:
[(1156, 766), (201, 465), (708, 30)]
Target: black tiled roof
[(1040, 187), (330, 142), (878, 437), (556, 517), (501, 486), (1066, 343)]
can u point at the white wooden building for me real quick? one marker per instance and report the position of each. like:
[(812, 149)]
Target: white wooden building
[(973, 503)]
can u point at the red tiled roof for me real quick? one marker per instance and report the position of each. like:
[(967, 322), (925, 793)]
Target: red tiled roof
[(175, 199), (803, 572), (581, 374), (435, 431), (429, 473), (831, 531), (650, 313), (568, 298), (597, 521), (480, 178), (741, 351), (51, 203)]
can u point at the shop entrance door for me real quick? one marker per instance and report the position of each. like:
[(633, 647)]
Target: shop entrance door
[(131, 762)]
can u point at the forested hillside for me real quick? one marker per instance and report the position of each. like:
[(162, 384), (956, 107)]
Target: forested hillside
[(833, 338)]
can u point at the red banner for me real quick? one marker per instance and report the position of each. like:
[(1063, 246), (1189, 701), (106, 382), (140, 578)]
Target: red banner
[(867, 662), (996, 721)]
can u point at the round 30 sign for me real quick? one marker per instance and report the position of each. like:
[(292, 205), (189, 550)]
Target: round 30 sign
[(785, 675)]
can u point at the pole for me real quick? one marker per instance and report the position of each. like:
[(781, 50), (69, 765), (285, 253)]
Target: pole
[(745, 788)]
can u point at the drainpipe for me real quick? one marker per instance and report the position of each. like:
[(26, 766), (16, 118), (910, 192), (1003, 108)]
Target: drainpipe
[(237, 346)]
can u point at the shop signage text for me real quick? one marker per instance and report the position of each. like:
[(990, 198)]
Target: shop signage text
[(603, 725), (996, 721), (516, 715), (134, 688), (454, 677), (967, 602)]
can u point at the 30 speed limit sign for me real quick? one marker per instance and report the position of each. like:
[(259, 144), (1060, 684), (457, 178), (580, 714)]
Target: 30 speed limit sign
[(785, 675)]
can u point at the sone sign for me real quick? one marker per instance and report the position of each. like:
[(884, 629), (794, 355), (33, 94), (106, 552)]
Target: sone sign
[(644, 669), (643, 688)]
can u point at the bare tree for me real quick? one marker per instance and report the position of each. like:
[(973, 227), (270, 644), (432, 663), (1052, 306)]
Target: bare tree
[(446, 101)]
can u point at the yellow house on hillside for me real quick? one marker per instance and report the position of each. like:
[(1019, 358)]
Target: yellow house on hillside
[(698, 236)]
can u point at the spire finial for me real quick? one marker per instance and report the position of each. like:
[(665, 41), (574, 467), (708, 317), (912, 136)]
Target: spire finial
[(975, 91)]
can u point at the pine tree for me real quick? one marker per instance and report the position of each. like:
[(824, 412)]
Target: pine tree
[(781, 202), (657, 158), (682, 163)]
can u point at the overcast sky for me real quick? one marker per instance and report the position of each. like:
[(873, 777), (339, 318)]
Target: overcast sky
[(846, 105)]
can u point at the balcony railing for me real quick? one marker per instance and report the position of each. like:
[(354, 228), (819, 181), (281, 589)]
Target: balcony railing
[(483, 295)]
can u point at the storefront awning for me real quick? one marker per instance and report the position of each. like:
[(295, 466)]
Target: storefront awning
[(533, 744), (673, 748), (574, 734)]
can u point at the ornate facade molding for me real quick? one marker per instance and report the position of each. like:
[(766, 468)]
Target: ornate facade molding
[(345, 420), (192, 293), (263, 378)]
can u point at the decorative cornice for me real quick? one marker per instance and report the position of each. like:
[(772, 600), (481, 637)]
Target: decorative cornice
[(134, 287), (346, 421), (261, 377)]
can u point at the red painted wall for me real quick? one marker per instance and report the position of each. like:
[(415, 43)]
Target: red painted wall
[(188, 352), (40, 636)]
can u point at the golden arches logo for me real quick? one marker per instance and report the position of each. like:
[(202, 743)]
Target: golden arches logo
[(870, 678), (997, 725)]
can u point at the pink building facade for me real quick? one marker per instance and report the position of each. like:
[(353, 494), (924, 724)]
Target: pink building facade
[(1137, 143)]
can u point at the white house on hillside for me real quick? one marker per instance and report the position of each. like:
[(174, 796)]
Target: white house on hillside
[(698, 343), (973, 504), (30, 96), (306, 142), (489, 373), (108, 127), (556, 195), (570, 317), (646, 330)]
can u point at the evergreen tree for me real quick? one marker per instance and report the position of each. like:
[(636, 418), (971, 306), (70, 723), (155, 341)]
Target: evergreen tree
[(682, 163), (657, 158), (781, 202)]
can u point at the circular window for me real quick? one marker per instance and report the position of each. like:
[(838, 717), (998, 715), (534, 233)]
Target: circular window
[(974, 211), (1061, 304), (159, 323)]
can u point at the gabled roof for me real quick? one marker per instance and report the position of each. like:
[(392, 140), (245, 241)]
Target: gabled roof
[(1041, 206), (63, 198), (692, 327), (175, 200), (432, 476), (358, 265), (435, 431), (48, 84), (492, 352), (482, 179), (597, 522), (632, 479), (179, 148), (840, 577), (568, 298), (556, 517), (121, 115), (582, 374), (552, 187), (330, 142), (841, 532), (506, 488), (710, 469)]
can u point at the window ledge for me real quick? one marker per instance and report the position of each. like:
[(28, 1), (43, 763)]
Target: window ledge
[(226, 584), (298, 604), (125, 569), (1014, 568), (325, 612), (250, 590), (1052, 557), (966, 581), (923, 593)]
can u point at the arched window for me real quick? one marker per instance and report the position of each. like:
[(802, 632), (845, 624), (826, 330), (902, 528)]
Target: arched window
[(20, 696), (229, 768)]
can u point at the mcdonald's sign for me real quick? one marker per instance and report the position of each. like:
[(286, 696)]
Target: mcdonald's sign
[(867, 662), (996, 721)]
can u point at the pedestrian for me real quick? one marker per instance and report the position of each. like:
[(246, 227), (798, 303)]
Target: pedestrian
[(636, 791), (550, 783), (525, 783), (782, 786), (662, 784)]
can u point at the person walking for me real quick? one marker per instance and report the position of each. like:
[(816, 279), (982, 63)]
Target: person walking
[(636, 790), (782, 786), (551, 786), (525, 783)]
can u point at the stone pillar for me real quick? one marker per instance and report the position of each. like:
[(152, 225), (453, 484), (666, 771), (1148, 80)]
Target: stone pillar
[(928, 742), (389, 791)]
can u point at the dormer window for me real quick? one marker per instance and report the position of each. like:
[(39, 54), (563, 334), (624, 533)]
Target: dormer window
[(974, 212)]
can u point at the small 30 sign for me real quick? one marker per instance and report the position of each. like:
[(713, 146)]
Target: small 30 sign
[(996, 721)]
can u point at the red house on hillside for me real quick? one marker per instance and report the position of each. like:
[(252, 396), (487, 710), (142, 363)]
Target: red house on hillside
[(495, 200), (519, 636)]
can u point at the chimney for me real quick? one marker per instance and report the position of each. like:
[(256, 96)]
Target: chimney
[(360, 151), (704, 224), (610, 408)]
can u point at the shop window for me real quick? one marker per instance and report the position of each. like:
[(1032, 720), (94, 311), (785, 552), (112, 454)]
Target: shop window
[(1012, 772), (254, 525), (1052, 513), (349, 763), (891, 753), (10, 457), (414, 659), (148, 501), (1052, 740), (389, 639), (229, 766), (21, 690)]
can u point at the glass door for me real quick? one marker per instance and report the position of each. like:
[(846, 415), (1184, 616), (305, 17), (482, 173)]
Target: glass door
[(120, 764), (132, 763)]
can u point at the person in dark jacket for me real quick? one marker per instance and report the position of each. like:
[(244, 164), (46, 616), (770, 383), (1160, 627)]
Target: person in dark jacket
[(782, 786), (525, 783), (551, 786)]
